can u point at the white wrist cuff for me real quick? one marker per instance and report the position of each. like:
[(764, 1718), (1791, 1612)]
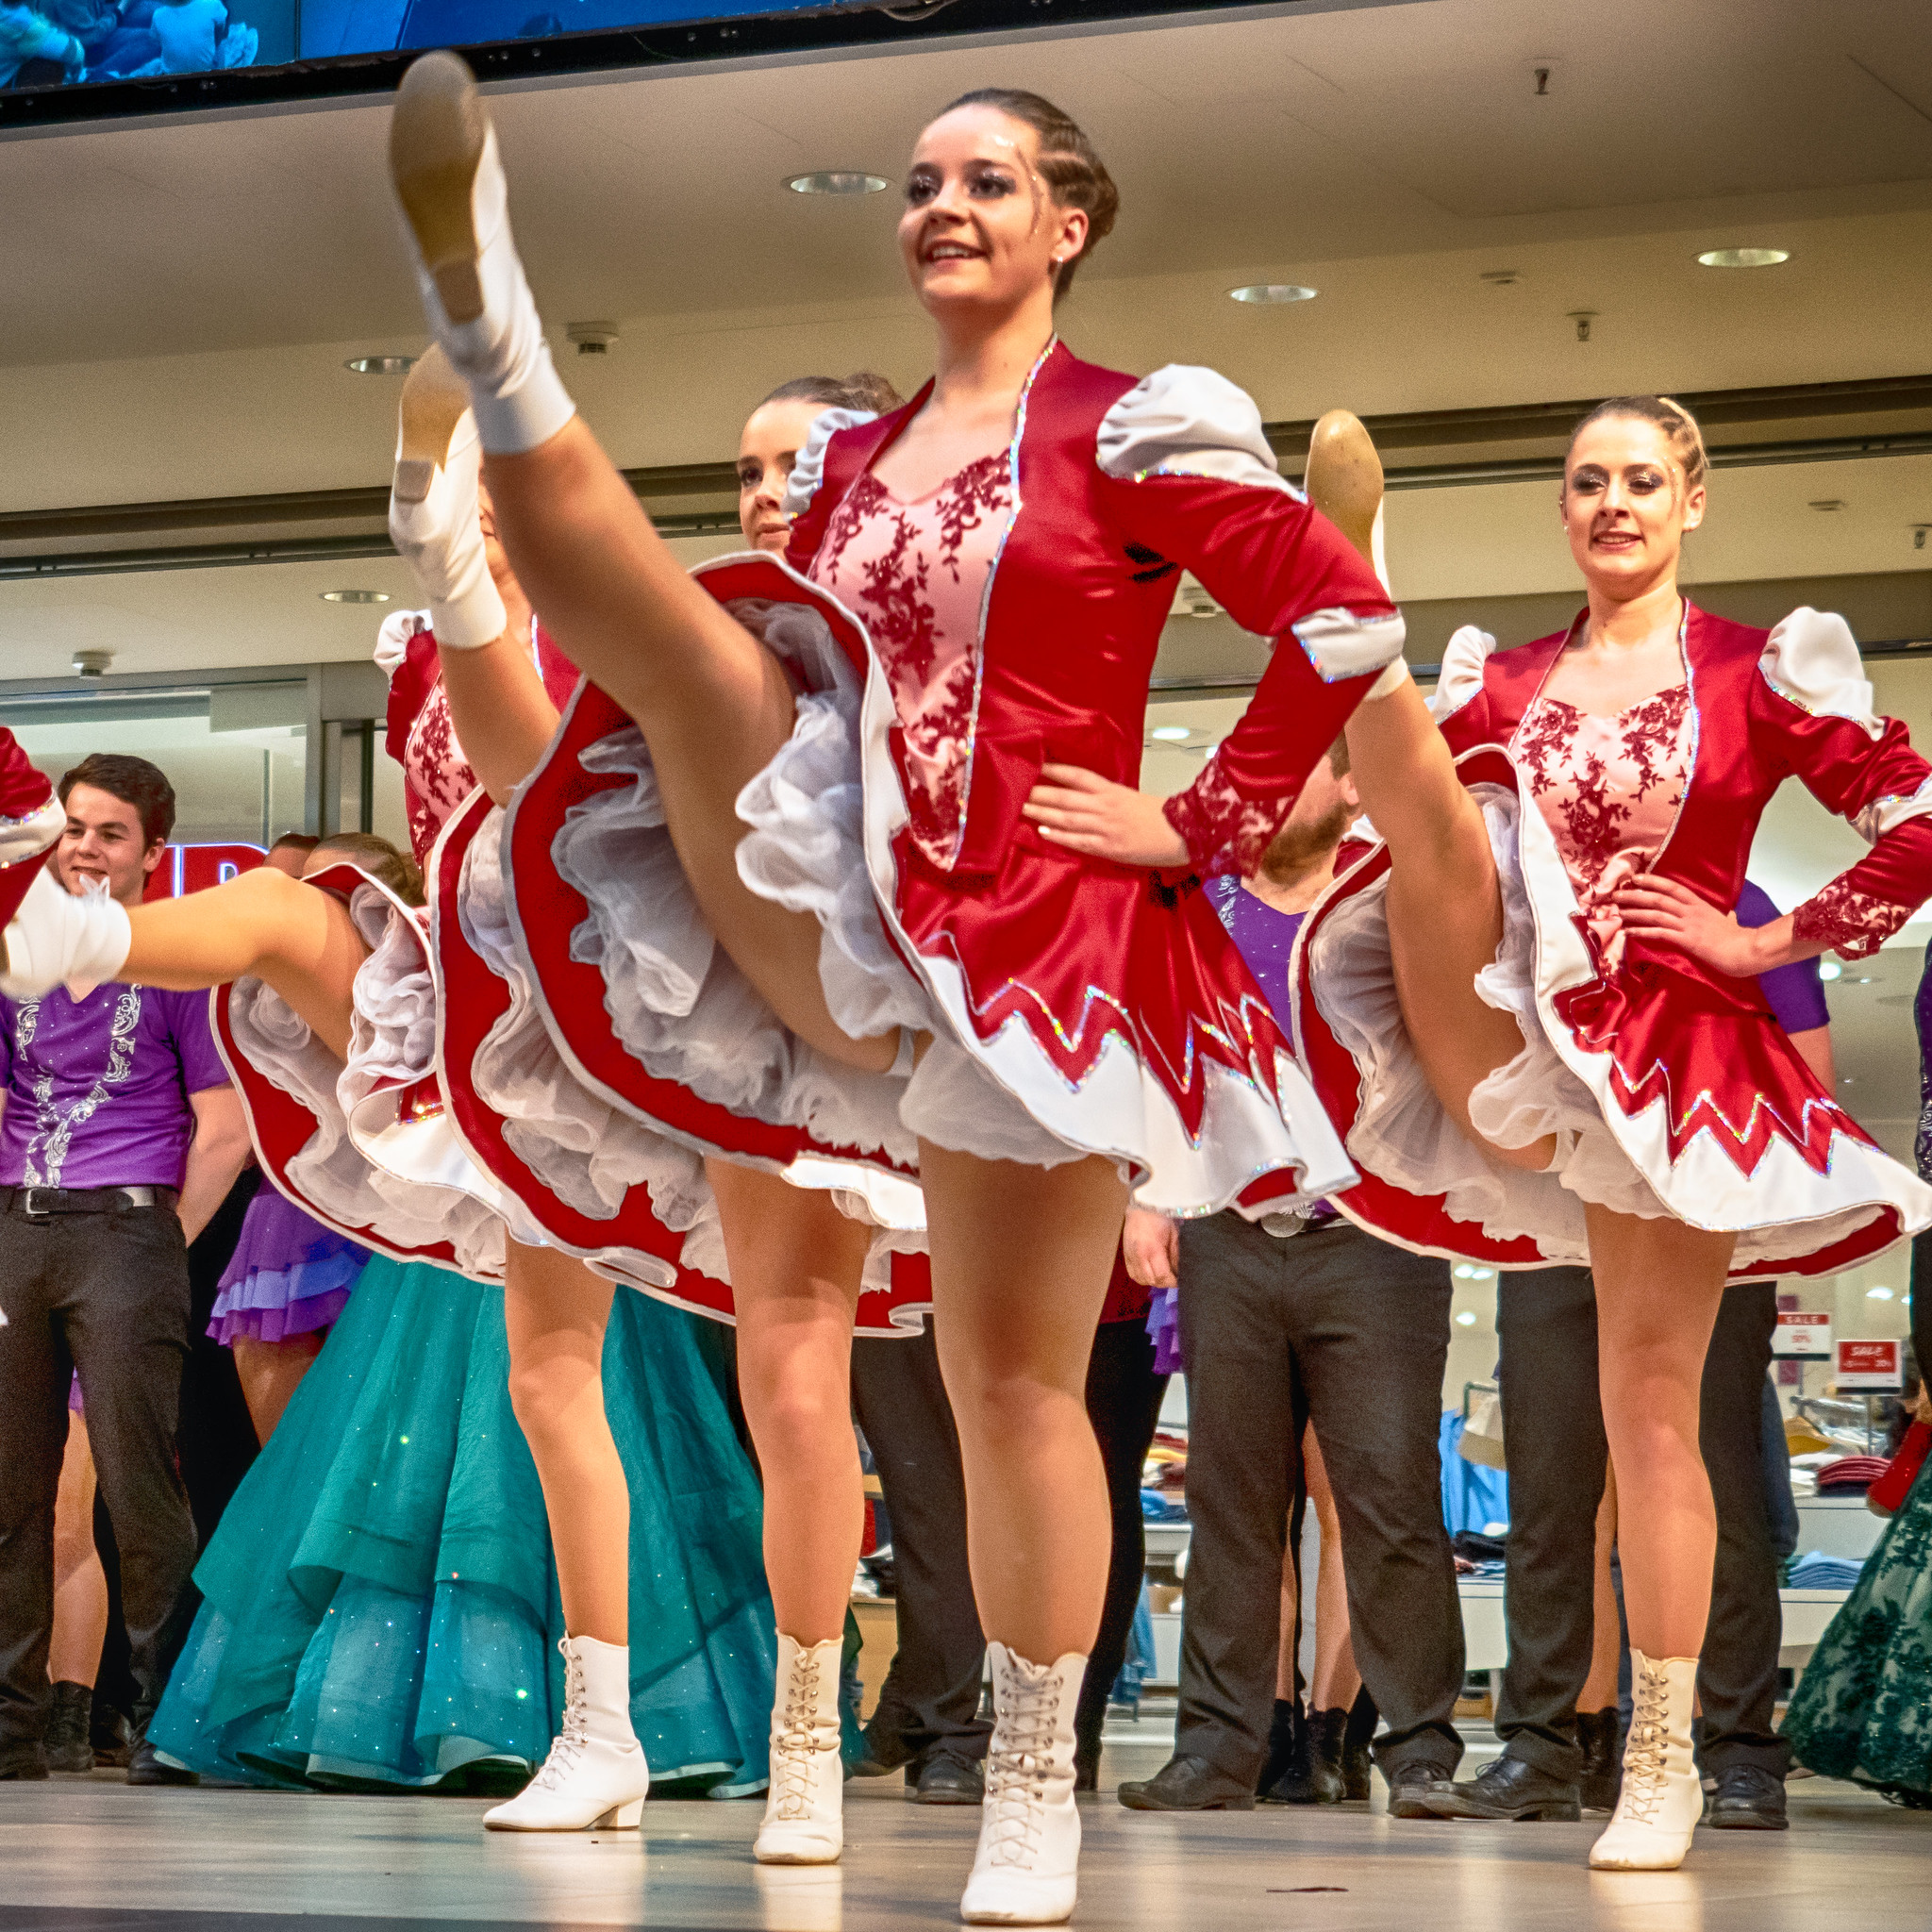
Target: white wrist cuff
[(1391, 679)]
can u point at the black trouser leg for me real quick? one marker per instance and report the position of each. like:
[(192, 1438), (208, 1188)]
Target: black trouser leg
[(1123, 1397), (1370, 1328), (124, 1299), (1553, 1429), (1921, 1303), (1244, 1459), (1737, 1673), (930, 1699), (34, 1372)]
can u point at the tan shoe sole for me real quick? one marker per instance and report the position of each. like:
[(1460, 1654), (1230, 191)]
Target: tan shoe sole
[(435, 139), (434, 399), (1344, 479)]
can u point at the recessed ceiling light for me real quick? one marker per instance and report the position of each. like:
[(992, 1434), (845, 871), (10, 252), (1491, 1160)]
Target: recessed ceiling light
[(379, 365), (838, 181), (1466, 1319), (1171, 734), (354, 596), (1744, 258), (1272, 295), (1879, 1294), (1829, 969)]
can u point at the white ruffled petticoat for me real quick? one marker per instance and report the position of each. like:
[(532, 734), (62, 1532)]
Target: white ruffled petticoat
[(1403, 1135), (685, 1011)]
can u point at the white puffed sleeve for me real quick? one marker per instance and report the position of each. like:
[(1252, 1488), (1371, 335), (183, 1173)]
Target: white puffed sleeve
[(1465, 656), (808, 466), (1812, 658), (392, 641)]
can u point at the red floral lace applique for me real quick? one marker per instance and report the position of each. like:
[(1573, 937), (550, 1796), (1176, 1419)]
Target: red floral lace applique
[(1850, 922), (1225, 831), (438, 774)]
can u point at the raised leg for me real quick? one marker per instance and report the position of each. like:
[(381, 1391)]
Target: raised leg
[(1021, 1261), (713, 704), (1445, 906), (270, 1373), (795, 1265), (297, 938)]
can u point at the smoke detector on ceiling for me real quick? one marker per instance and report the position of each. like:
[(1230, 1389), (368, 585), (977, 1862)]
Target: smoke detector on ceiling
[(1195, 599), (92, 664), (591, 337)]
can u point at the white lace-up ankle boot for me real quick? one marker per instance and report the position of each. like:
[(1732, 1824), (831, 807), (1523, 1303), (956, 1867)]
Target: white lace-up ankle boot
[(595, 1773), (805, 1810), (1027, 1868), (443, 160), (432, 506), (57, 937), (1662, 1797)]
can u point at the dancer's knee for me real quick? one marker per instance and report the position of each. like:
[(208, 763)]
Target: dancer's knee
[(546, 1395), (799, 1424)]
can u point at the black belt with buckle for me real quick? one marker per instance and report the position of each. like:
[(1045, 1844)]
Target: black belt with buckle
[(37, 1204)]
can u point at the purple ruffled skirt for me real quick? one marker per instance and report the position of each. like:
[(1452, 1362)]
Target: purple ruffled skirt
[(290, 1276)]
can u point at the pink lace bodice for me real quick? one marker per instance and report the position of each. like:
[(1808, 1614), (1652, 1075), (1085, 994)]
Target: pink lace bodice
[(1609, 788), (437, 777), (917, 574)]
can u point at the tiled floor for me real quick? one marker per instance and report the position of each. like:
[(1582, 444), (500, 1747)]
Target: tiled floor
[(90, 1854)]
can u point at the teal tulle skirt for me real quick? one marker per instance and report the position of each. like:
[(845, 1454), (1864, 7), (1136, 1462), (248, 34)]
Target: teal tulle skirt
[(1863, 1708), (381, 1603)]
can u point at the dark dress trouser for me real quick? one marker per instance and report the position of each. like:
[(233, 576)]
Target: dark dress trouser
[(1335, 1326), (1553, 1435), (930, 1700), (106, 1294)]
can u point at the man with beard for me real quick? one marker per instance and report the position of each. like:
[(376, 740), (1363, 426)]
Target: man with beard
[(1305, 1318)]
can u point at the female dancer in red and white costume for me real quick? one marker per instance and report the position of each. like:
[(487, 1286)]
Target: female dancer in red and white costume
[(1014, 536), (1540, 1027)]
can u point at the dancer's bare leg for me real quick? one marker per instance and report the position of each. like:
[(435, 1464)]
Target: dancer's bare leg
[(556, 1311), (80, 1585), (1658, 1285), (1021, 1257), (1337, 1680), (1607, 1646), (796, 1264), (1444, 902), (295, 937), (713, 704), (270, 1373)]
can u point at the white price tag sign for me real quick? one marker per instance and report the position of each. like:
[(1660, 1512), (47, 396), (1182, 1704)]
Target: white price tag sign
[(1802, 1335)]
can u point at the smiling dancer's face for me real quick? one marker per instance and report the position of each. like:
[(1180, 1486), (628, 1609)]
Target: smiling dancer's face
[(1626, 505), (773, 437), (980, 228)]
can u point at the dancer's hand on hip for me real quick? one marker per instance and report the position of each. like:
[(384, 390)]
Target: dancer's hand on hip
[(1085, 812), (1669, 913), (1151, 1246)]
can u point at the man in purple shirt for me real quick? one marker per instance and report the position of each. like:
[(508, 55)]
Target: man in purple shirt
[(119, 1136)]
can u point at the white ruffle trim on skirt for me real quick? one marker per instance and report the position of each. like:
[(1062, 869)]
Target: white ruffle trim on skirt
[(683, 1010), (1403, 1135), (392, 1036)]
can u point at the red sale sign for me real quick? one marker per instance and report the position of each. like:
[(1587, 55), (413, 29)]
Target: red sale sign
[(194, 868), (1869, 1365), (1802, 1335)]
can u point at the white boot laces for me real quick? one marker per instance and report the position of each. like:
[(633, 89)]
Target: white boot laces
[(1644, 1758), (795, 1742), (1017, 1764), (570, 1742)]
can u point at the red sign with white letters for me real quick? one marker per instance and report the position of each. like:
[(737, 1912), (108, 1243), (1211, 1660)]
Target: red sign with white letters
[(1869, 1365), (194, 868)]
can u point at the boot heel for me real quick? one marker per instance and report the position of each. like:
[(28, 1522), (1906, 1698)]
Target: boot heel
[(433, 400), (1555, 1814), (620, 1817), (436, 141)]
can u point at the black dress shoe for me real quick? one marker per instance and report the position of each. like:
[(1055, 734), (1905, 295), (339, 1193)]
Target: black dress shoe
[(1747, 1799), (69, 1722), (22, 1759), (1602, 1765), (1508, 1789), (145, 1767), (944, 1779), (1188, 1784), (1414, 1786), (1315, 1775), (1284, 1744)]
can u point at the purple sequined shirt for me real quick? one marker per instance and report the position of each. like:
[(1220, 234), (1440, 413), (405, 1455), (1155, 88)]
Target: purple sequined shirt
[(97, 1089)]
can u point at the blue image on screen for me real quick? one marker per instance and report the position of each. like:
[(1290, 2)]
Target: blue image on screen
[(57, 42)]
